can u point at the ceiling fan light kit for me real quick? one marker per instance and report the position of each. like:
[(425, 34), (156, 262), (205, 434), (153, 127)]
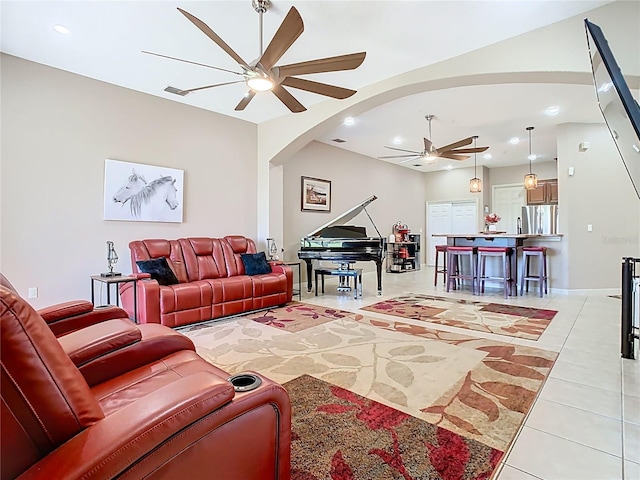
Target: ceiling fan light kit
[(430, 154), (264, 75), (530, 179), (475, 184)]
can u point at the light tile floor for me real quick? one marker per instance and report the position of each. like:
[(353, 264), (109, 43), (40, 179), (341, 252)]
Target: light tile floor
[(585, 423)]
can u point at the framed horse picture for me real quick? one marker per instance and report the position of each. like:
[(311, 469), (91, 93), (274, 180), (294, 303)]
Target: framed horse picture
[(144, 193)]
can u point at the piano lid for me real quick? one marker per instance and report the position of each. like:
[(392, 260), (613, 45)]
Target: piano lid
[(345, 217)]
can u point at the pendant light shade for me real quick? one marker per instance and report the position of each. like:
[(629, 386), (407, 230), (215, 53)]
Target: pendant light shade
[(530, 179), (475, 184)]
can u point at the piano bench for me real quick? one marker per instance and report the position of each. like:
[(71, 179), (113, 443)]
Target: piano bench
[(356, 273)]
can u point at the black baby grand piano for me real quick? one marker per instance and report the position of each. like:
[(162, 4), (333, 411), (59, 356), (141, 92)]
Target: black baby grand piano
[(337, 242)]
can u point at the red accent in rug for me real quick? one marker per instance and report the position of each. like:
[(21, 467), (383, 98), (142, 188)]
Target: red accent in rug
[(339, 435)]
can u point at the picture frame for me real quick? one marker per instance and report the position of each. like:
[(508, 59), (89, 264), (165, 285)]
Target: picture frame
[(142, 193), (315, 195)]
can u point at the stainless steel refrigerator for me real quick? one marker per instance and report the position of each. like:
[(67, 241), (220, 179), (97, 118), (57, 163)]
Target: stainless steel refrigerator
[(540, 219)]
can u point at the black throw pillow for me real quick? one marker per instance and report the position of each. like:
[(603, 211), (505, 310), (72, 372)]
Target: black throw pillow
[(159, 270), (255, 263)]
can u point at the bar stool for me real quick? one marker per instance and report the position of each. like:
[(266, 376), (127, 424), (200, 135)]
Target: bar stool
[(502, 252), (455, 254), (441, 249), (541, 254)]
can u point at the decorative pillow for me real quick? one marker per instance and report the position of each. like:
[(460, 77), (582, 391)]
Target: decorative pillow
[(159, 270), (255, 263)]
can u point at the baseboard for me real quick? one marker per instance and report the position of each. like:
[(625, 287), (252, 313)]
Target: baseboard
[(585, 291)]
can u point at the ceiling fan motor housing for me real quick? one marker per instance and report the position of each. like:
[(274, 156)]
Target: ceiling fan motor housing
[(260, 6)]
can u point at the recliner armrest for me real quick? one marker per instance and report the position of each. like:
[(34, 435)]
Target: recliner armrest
[(94, 341), (60, 311), (67, 317), (138, 428), (157, 341)]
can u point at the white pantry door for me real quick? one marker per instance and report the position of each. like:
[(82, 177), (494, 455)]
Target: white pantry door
[(449, 217)]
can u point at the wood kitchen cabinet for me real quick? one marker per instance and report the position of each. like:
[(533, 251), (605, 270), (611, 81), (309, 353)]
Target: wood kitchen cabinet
[(545, 193)]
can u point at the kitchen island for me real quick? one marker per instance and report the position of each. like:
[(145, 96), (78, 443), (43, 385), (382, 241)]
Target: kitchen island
[(514, 240)]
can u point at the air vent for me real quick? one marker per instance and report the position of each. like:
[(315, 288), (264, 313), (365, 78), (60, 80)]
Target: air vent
[(338, 140), (176, 91)]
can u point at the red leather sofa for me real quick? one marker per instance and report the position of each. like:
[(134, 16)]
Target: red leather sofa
[(116, 399), (212, 281)]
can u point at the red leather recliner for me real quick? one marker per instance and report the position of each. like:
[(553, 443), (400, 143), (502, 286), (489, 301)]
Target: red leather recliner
[(66, 317), (114, 400)]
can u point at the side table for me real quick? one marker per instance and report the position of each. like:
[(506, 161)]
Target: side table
[(299, 291), (116, 281)]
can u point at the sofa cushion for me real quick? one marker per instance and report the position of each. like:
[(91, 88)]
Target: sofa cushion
[(159, 270), (255, 263)]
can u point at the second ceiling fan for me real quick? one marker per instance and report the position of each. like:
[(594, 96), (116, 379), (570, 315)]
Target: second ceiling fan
[(262, 74), (431, 153)]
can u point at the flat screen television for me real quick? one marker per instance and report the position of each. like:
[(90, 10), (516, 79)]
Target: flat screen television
[(620, 110)]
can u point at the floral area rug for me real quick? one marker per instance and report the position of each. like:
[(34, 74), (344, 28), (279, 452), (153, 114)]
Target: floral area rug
[(478, 388), (339, 435), (510, 320)]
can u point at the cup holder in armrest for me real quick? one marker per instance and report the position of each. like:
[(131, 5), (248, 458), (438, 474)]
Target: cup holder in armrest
[(245, 382)]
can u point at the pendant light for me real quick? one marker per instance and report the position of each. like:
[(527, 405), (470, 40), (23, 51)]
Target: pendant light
[(530, 179), (475, 184)]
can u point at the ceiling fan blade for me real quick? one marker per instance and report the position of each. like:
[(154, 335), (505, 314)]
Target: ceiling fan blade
[(399, 156), (427, 145), (469, 150), (409, 159), (211, 86), (329, 64), (289, 100), (245, 100), (403, 150), (460, 143), (212, 35), (194, 63), (453, 156), (317, 87), (289, 30)]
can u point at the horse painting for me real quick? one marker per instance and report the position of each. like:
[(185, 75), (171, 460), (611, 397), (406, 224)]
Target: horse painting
[(135, 198), (157, 193), (134, 185)]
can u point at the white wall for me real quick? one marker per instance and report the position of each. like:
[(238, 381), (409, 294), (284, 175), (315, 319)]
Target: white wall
[(57, 130), (601, 194)]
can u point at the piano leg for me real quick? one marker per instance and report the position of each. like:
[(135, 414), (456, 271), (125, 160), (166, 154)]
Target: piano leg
[(309, 273), (379, 273)]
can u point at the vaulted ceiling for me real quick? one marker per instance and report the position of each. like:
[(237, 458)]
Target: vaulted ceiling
[(106, 40)]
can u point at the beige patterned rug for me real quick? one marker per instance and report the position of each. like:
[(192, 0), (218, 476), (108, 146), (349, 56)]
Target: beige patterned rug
[(510, 320), (477, 388)]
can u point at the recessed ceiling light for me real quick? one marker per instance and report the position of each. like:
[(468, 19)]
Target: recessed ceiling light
[(397, 141), (62, 29), (487, 156), (551, 111), (532, 157), (448, 167), (349, 121), (514, 140)]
